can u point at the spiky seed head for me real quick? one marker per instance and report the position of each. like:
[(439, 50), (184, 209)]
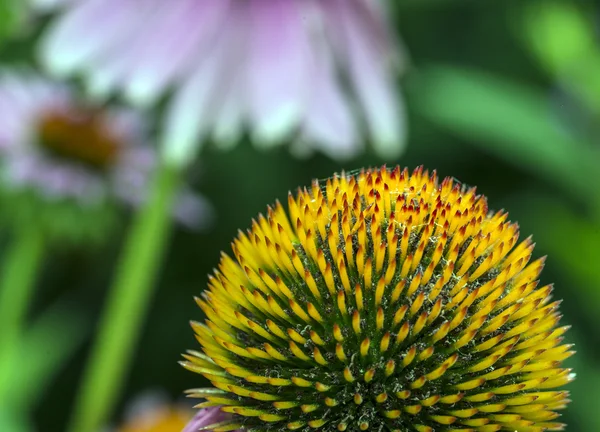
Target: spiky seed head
[(382, 301)]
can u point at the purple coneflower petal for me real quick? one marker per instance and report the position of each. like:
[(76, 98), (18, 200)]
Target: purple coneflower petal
[(277, 80), (236, 66), (206, 417)]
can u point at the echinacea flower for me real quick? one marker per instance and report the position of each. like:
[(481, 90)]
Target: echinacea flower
[(382, 301), (62, 159), (271, 67)]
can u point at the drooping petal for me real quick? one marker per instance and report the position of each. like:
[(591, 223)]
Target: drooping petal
[(238, 66), (197, 105), (367, 65), (206, 417), (86, 31), (277, 78), (182, 45)]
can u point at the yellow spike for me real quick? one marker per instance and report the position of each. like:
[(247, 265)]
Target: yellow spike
[(341, 301), (409, 356), (390, 272), (328, 276), (301, 382), (444, 420), (339, 352), (385, 342), (312, 285), (379, 291), (356, 323), (404, 394), (381, 398), (319, 357), (330, 402), (275, 329), (402, 333), (399, 315), (398, 290), (419, 252), (368, 273), (406, 265), (316, 424), (380, 256), (379, 318), (358, 295), (296, 337), (419, 323), (344, 275), (314, 336), (417, 303), (364, 347), (314, 313), (368, 376), (360, 259), (274, 353), (413, 409), (426, 353), (390, 366), (348, 375), (285, 405)]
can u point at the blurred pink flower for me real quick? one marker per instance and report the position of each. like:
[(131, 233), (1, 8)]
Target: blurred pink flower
[(306, 70), (206, 417), (65, 151)]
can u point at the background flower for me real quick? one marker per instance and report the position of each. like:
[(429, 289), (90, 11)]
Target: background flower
[(57, 151), (276, 68)]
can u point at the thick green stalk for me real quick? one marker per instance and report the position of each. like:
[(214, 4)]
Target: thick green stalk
[(126, 308), (19, 270)]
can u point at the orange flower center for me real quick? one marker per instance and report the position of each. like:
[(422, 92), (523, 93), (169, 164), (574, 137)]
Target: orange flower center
[(80, 137)]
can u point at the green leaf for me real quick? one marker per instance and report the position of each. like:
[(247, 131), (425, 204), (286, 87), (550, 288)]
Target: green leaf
[(510, 120), (14, 421), (47, 346), (558, 32), (562, 37), (12, 15)]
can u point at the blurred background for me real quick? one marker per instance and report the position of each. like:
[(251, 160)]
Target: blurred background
[(504, 95)]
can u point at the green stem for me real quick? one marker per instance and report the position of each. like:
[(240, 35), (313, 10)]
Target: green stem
[(126, 308), (22, 261)]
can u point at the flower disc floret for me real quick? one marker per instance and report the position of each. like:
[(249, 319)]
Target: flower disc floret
[(382, 301)]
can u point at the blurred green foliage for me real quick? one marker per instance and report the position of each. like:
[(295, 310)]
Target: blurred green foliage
[(504, 95), (12, 16)]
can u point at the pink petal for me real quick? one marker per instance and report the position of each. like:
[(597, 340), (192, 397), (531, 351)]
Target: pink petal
[(277, 77)]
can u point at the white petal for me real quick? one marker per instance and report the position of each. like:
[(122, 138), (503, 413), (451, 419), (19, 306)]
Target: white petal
[(369, 67), (85, 32), (277, 73), (329, 124), (183, 33), (196, 103)]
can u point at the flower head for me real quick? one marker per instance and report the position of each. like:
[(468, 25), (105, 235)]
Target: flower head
[(272, 67), (61, 157), (382, 301)]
